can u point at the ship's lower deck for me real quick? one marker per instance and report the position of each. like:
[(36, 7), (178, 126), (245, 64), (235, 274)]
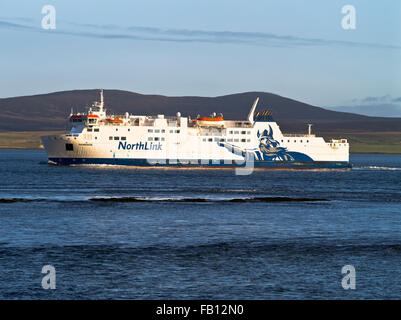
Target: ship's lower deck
[(184, 163)]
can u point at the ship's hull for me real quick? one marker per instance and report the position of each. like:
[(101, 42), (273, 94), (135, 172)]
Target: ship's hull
[(166, 144), (183, 163)]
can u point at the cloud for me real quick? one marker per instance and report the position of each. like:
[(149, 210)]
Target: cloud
[(375, 100), (108, 31), (378, 110), (22, 19), (369, 100), (382, 106), (10, 25), (253, 38)]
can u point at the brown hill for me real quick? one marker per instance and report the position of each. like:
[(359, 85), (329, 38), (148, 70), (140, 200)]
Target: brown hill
[(49, 111)]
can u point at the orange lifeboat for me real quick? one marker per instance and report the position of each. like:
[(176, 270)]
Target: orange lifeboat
[(220, 118), (210, 121), (114, 120)]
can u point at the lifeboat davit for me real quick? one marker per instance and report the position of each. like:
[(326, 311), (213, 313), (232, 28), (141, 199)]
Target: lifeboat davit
[(212, 121)]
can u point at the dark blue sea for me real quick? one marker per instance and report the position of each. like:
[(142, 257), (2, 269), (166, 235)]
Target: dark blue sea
[(129, 233)]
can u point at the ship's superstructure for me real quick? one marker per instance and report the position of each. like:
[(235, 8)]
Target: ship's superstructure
[(96, 137)]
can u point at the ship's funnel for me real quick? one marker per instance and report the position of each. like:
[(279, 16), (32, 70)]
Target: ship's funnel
[(250, 115)]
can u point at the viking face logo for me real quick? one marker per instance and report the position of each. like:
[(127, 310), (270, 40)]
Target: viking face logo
[(270, 148), (266, 139)]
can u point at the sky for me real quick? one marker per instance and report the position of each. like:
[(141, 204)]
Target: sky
[(293, 48)]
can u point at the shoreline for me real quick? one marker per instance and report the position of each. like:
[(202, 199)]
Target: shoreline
[(20, 148), (389, 153)]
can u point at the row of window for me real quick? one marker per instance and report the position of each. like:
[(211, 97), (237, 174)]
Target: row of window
[(162, 131), (228, 140), (237, 132), (149, 138), (155, 139), (307, 141), (171, 131), (117, 138), (128, 129), (90, 121)]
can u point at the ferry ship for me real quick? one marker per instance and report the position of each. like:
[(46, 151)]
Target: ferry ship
[(96, 137)]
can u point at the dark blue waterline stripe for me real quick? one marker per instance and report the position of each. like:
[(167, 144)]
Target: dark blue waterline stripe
[(210, 164)]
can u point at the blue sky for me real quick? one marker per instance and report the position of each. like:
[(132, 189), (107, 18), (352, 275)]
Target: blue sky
[(293, 48)]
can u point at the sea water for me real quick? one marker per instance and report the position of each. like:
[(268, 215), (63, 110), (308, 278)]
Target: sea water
[(113, 232)]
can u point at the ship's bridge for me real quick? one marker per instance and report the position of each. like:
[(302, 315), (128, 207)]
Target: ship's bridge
[(84, 119)]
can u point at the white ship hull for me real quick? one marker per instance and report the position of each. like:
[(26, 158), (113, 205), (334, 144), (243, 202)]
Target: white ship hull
[(160, 141)]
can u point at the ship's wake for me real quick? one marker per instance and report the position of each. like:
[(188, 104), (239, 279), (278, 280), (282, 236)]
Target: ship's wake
[(376, 168)]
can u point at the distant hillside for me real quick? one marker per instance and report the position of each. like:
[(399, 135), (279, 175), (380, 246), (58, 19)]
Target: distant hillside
[(49, 111), (373, 110)]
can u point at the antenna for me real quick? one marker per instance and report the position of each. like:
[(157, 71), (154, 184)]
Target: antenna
[(101, 100), (310, 128), (250, 115)]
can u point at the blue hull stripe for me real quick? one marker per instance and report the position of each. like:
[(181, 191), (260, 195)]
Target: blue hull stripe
[(209, 164)]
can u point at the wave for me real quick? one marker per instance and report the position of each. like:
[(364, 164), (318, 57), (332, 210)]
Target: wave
[(376, 168), (140, 199), (314, 246), (22, 200), (13, 200), (277, 199), (163, 199), (252, 199)]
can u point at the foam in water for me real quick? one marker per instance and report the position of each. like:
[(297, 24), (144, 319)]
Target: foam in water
[(376, 168), (249, 199)]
